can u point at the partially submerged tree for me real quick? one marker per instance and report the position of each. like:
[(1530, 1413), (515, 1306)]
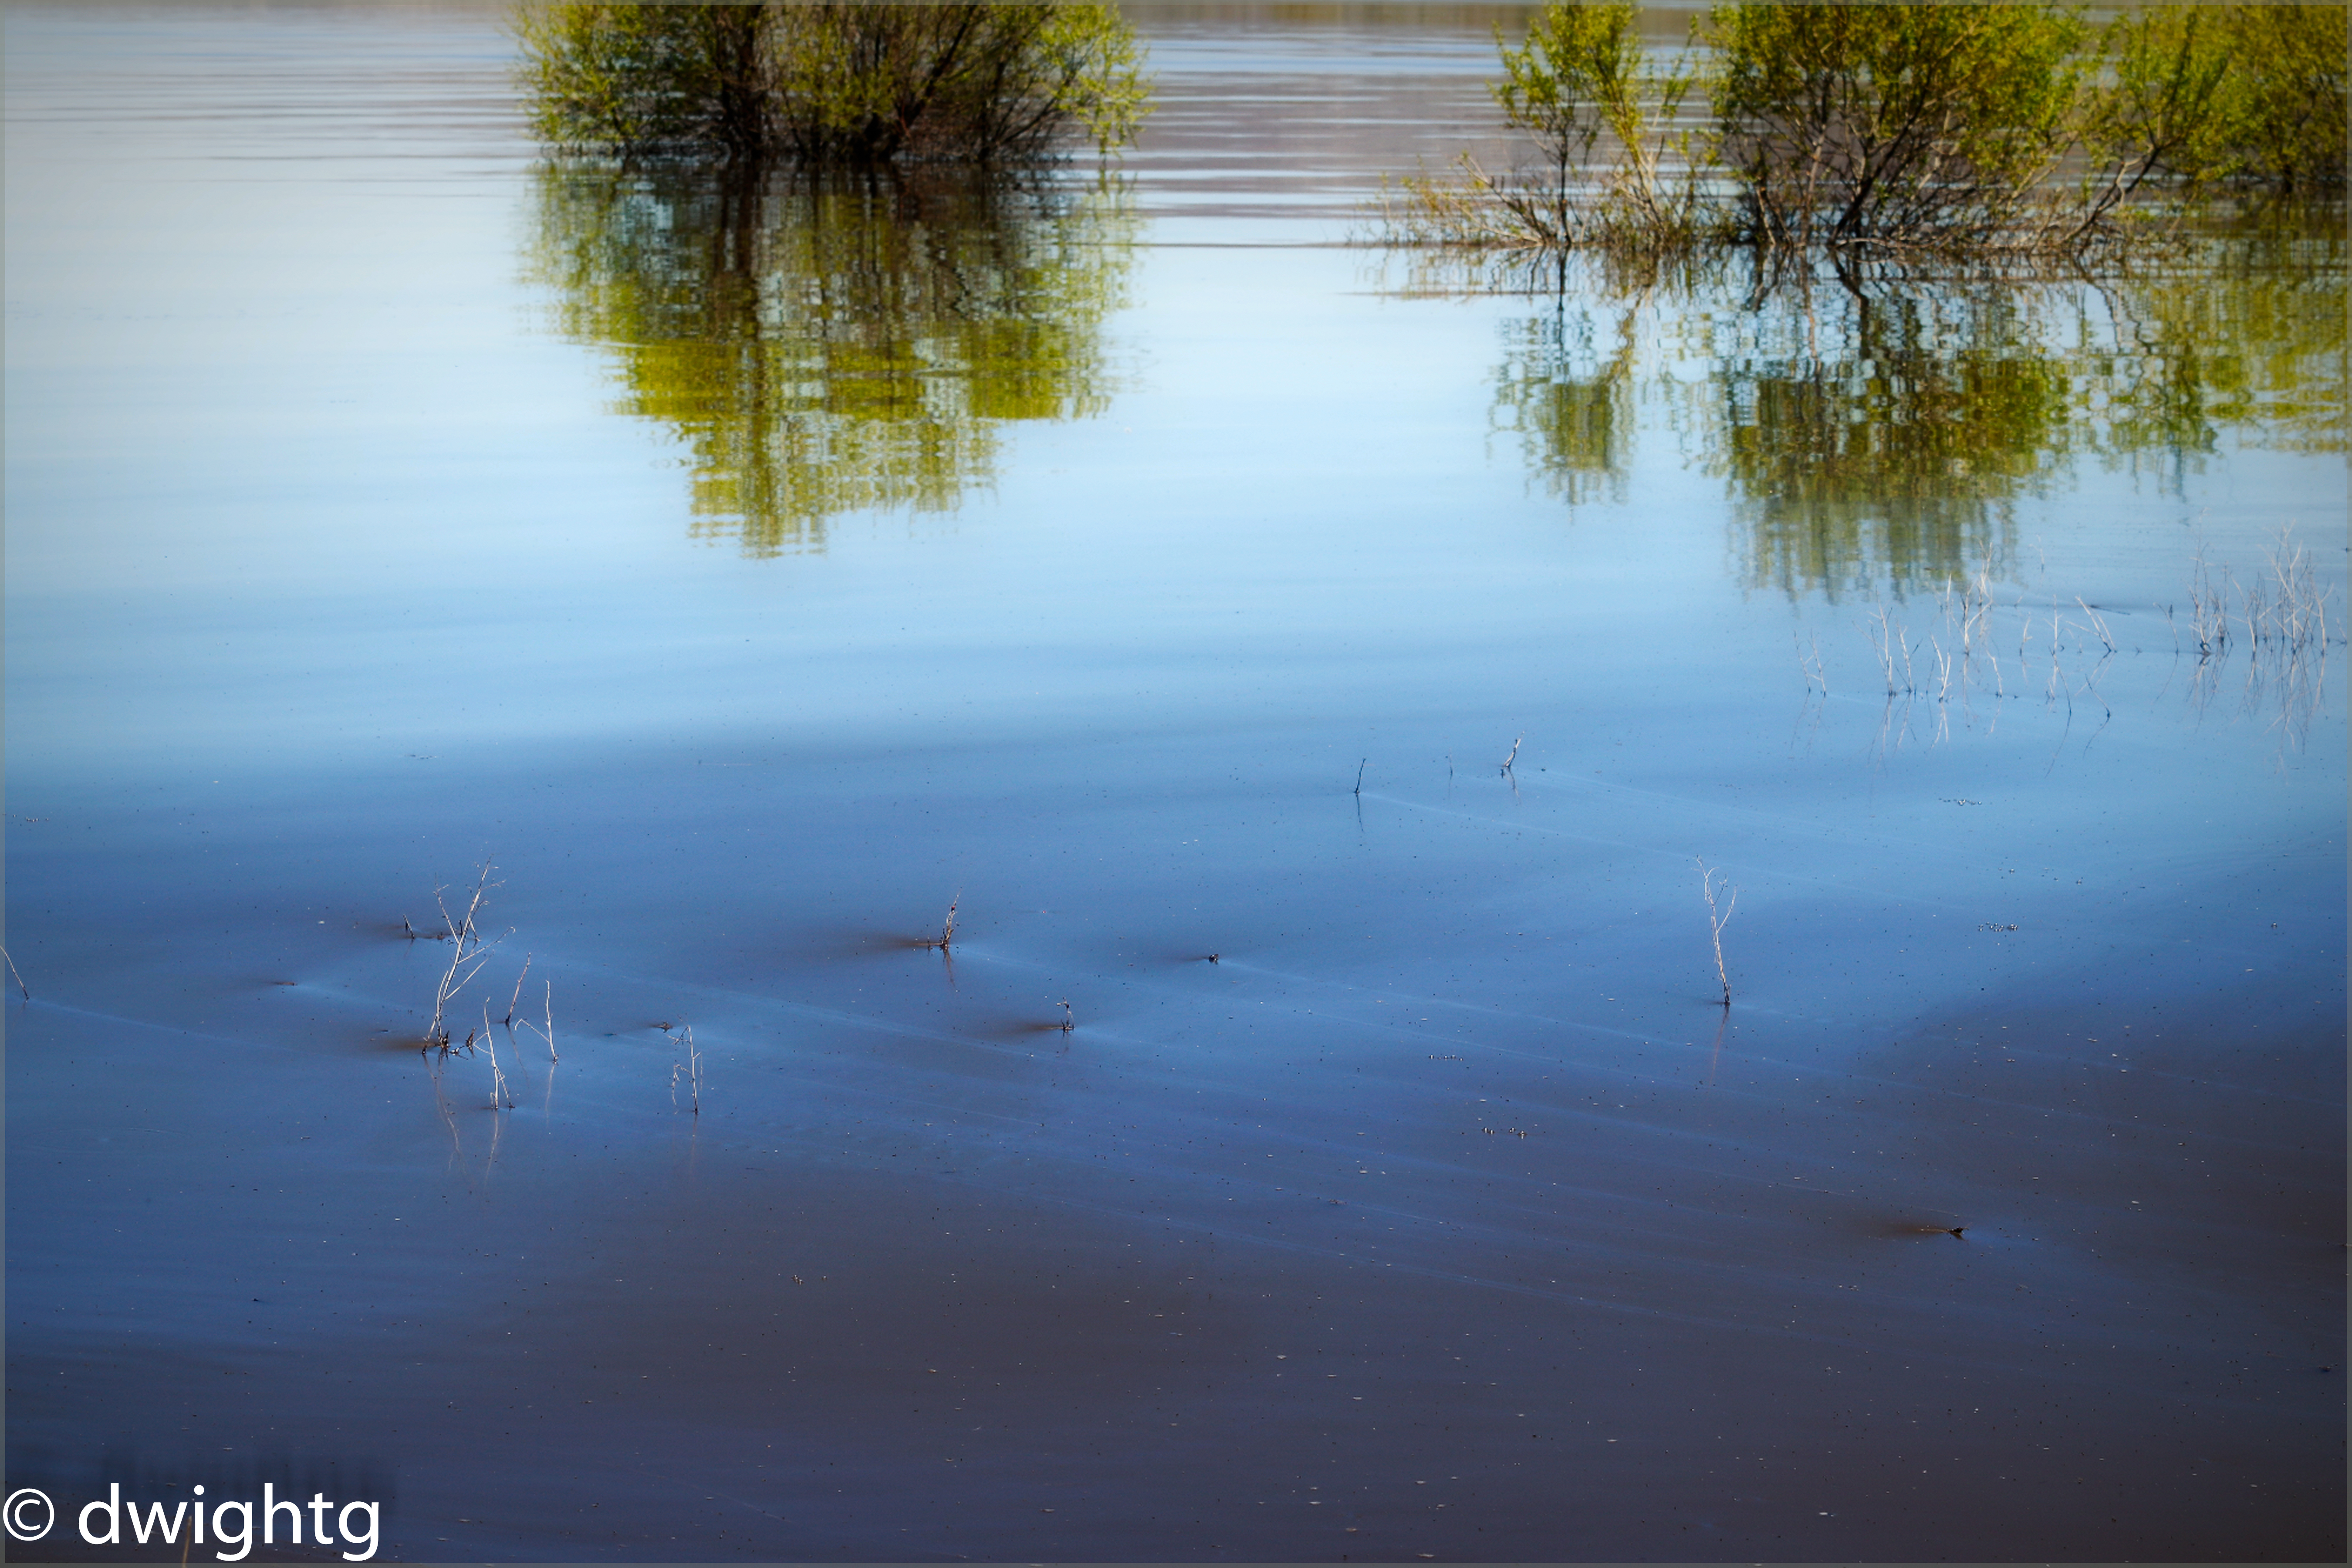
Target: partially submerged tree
[(631, 79), (2161, 115), (1604, 122), (2286, 95), (2201, 96), (838, 81), (1895, 125), (1862, 130), (1580, 78), (863, 83)]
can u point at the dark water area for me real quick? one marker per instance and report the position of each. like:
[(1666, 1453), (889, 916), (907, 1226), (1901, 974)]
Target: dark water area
[(750, 568)]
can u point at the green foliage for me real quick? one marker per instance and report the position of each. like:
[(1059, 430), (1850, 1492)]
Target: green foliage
[(822, 344), (857, 81), (2287, 102), (2161, 114), (630, 78), (1603, 118), (1862, 130), (2249, 94), (1583, 73), (867, 82), (1895, 125)]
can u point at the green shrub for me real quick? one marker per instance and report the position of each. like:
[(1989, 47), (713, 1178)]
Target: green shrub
[(1602, 117), (2285, 105), (2161, 113), (632, 79), (1583, 74), (1895, 125), (2249, 94), (856, 81), (1894, 129)]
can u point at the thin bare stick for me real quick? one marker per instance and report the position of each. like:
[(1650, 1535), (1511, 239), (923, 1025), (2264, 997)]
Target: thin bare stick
[(690, 1069), (1811, 670), (1717, 920), (518, 991), (1359, 776), (20, 979), (2097, 624), (500, 1096), (1069, 1019), (1515, 754), (1882, 640)]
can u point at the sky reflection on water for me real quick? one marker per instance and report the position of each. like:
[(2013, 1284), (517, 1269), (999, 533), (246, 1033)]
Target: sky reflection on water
[(750, 570)]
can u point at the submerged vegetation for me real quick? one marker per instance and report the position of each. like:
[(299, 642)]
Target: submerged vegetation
[(831, 81), (1857, 130)]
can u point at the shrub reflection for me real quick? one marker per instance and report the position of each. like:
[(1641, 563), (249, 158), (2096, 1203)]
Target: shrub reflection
[(1879, 437), (824, 346)]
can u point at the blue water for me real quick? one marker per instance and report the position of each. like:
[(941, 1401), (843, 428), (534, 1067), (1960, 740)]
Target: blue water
[(341, 559)]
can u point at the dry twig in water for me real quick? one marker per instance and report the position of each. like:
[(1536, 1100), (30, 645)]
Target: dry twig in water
[(1717, 920), (1811, 670), (20, 979), (1883, 640), (691, 1067), (2098, 624), (518, 991), (546, 1033), (947, 928), (469, 953), (500, 1096)]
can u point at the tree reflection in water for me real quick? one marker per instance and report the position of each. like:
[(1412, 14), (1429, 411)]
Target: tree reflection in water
[(828, 345), (1891, 457), (1877, 440)]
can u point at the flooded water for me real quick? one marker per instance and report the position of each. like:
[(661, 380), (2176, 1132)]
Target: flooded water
[(1311, 682)]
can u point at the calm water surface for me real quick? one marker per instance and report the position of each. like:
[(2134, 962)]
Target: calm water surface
[(749, 568)]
